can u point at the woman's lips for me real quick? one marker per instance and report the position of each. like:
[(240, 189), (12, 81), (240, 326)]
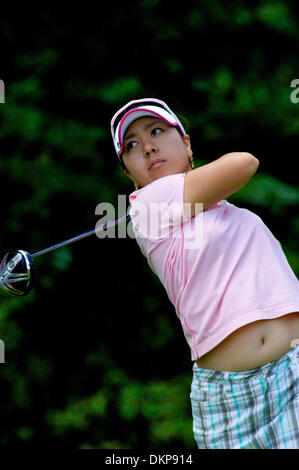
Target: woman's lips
[(156, 164)]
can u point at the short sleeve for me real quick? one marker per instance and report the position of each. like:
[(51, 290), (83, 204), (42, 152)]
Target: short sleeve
[(157, 210)]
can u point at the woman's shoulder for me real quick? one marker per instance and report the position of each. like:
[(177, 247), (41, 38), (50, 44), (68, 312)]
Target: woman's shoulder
[(164, 182)]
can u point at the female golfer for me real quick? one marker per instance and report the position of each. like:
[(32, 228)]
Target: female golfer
[(227, 276)]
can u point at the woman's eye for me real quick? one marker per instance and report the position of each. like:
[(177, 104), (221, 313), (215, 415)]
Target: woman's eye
[(158, 129), (130, 145)]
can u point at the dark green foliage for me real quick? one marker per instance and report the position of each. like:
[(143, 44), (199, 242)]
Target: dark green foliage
[(95, 356)]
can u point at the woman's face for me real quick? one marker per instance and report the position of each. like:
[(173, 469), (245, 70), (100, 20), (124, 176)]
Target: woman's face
[(153, 149)]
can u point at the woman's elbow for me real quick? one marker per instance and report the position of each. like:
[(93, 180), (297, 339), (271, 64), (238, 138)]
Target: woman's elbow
[(249, 155), (254, 162)]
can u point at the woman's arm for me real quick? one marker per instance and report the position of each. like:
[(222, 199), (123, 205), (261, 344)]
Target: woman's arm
[(219, 179)]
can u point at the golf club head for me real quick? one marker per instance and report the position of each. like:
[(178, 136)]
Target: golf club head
[(17, 272)]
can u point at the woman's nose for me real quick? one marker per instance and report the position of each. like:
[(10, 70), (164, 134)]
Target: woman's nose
[(149, 148)]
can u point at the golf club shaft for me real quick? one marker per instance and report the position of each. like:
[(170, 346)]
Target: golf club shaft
[(82, 235)]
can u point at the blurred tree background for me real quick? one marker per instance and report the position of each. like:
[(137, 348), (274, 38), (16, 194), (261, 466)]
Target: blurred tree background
[(95, 356)]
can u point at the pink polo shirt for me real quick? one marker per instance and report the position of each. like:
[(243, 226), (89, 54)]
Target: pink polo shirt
[(222, 269)]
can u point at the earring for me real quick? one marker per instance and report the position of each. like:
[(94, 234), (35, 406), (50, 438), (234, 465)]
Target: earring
[(136, 187), (191, 162)]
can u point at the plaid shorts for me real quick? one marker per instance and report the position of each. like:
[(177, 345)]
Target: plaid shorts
[(254, 409)]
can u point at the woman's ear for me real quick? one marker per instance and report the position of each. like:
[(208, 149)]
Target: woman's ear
[(187, 142)]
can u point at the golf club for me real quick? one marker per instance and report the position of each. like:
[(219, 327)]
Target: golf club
[(17, 265)]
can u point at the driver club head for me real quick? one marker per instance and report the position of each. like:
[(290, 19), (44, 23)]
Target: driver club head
[(17, 272)]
